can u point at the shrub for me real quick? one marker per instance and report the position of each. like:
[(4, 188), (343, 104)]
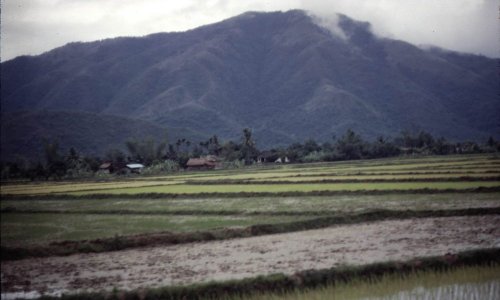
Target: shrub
[(315, 156), (167, 166), (235, 164)]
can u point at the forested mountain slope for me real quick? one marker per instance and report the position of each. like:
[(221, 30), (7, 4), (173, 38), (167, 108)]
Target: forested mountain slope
[(281, 74)]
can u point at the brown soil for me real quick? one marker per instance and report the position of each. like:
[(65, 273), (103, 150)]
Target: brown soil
[(247, 257)]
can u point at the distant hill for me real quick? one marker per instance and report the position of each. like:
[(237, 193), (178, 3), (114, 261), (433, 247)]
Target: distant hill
[(22, 133), (280, 74)]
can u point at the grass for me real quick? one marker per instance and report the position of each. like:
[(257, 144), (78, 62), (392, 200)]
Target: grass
[(322, 204), (20, 229), (280, 188), (469, 282)]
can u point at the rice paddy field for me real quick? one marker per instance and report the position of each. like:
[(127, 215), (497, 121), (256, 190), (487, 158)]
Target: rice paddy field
[(463, 283), (387, 175), (91, 217)]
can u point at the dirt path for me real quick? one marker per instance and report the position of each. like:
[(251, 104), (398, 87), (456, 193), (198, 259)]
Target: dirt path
[(239, 258)]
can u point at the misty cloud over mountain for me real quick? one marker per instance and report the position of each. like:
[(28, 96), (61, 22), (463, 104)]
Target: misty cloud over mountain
[(35, 26)]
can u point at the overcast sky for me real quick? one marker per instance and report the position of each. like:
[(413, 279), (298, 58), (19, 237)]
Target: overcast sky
[(35, 26)]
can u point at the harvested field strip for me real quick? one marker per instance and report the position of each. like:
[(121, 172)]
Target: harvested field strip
[(401, 173), (61, 188), (353, 171), (201, 195), (397, 175), (335, 203), (283, 188), (169, 238), (390, 164), (495, 167), (348, 179), (277, 176), (244, 176), (387, 178), (467, 160), (393, 163), (316, 256), (402, 168), (465, 282), (49, 189), (408, 160), (262, 173), (473, 266)]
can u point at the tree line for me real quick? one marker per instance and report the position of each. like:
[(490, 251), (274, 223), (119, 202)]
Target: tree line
[(161, 157)]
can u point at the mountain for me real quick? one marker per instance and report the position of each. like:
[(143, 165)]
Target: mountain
[(281, 74), (22, 133)]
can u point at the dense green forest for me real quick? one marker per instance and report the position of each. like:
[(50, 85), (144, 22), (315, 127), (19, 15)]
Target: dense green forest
[(161, 157)]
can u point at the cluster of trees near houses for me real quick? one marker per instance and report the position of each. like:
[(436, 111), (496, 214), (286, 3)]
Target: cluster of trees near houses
[(161, 157)]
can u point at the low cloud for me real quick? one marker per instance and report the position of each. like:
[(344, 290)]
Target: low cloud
[(329, 21), (35, 26), (461, 25)]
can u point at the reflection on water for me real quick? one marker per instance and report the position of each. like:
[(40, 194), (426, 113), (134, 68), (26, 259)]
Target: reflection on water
[(470, 291), (21, 295), (28, 295)]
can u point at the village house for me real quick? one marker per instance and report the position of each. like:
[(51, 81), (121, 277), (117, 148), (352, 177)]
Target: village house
[(105, 168), (209, 162), (267, 157), (135, 168), (282, 160), (120, 168)]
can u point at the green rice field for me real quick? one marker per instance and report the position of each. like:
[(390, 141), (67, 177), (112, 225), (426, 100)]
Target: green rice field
[(90, 216), (270, 205), (20, 229), (481, 282), (183, 189)]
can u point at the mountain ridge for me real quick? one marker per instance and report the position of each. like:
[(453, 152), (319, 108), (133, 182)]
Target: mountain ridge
[(281, 74)]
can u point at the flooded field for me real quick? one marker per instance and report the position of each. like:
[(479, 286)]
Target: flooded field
[(464, 283), (240, 258), (471, 291)]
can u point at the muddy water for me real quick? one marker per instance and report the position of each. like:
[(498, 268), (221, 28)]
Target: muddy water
[(239, 258)]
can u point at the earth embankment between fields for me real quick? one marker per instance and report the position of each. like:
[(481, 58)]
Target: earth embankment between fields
[(286, 253)]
